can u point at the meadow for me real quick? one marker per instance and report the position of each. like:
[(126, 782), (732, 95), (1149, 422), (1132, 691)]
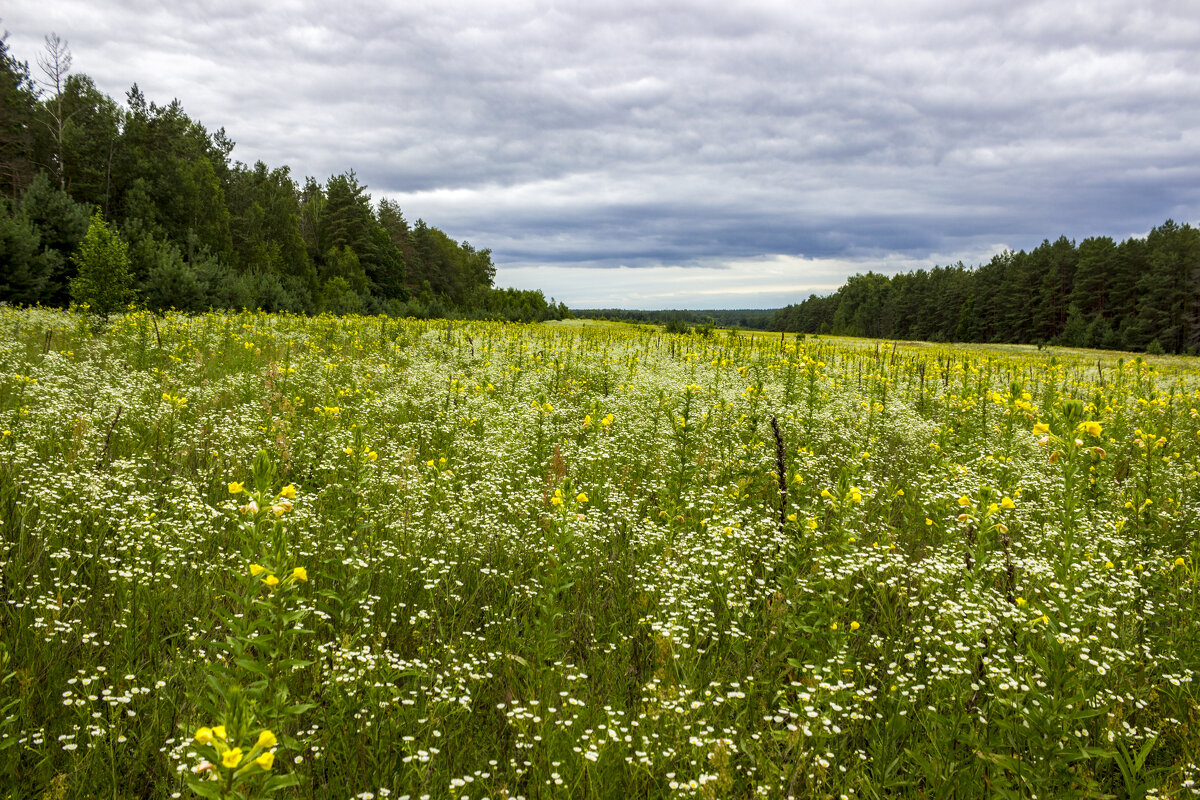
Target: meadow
[(250, 555)]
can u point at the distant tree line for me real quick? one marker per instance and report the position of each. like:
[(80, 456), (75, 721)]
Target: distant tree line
[(752, 318), (203, 231), (1141, 294)]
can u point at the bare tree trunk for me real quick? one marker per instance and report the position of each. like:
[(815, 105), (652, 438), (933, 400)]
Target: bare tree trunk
[(56, 66)]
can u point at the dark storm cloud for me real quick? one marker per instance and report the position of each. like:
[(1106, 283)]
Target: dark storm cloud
[(586, 136)]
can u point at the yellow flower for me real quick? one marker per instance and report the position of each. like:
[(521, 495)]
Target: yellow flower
[(1179, 562), (1007, 503), (587, 420), (300, 574), (256, 570), (928, 521), (964, 501), (266, 739), (265, 760), (1108, 565), (235, 487), (288, 491), (348, 451), (232, 757), (372, 456), (271, 580), (833, 626), (608, 420), (581, 498), (791, 517), (1091, 427), (1041, 428), (812, 524), (204, 735), (1021, 601), (854, 626), (219, 731)]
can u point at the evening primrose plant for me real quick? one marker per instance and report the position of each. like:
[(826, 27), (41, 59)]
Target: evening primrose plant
[(236, 761), (251, 680)]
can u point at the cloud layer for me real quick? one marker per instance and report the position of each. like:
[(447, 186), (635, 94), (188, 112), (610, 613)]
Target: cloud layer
[(684, 152)]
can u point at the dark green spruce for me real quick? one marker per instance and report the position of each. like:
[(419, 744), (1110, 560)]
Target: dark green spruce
[(1141, 294)]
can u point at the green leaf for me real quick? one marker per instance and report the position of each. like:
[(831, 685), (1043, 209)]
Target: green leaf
[(250, 665), (205, 788)]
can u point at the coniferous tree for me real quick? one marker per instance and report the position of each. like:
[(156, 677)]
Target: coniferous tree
[(23, 275), (61, 224), (90, 137), (1056, 264), (1162, 314), (1139, 294), (1093, 275), (18, 104), (1019, 297)]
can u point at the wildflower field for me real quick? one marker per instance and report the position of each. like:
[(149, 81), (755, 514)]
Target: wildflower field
[(251, 555)]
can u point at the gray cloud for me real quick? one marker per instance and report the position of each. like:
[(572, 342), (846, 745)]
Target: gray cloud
[(587, 136)]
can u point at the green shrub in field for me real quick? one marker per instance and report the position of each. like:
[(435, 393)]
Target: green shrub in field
[(103, 283)]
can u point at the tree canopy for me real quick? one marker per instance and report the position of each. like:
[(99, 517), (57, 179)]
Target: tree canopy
[(203, 230), (1142, 293)]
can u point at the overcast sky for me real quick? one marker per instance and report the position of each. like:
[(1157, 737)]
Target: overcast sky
[(690, 154)]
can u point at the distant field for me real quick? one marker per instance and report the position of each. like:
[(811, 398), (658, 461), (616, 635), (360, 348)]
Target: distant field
[(244, 555)]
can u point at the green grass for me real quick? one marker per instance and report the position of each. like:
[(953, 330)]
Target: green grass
[(508, 592)]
